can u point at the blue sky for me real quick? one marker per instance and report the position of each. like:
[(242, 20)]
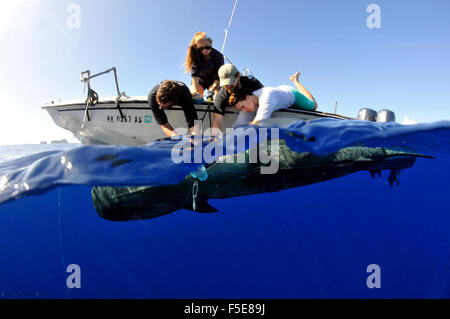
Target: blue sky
[(403, 66)]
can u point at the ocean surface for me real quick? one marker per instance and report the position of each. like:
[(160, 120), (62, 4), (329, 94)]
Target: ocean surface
[(350, 237)]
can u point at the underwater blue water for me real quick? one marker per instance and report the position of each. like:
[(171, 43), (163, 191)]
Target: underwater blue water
[(314, 241)]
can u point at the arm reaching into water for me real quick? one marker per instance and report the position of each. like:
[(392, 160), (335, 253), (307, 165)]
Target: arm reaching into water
[(168, 130)]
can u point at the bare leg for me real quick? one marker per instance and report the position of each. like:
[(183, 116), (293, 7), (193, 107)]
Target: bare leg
[(301, 88)]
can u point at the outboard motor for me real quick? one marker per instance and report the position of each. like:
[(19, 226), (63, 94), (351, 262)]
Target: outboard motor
[(366, 114), (386, 116)]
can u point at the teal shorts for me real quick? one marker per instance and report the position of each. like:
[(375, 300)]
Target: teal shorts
[(302, 101)]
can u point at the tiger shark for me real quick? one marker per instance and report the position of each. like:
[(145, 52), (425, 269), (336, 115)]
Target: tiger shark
[(228, 179)]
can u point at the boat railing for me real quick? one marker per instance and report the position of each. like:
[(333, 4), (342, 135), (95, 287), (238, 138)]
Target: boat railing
[(92, 96)]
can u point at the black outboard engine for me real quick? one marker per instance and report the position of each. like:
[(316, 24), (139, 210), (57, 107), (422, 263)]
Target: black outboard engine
[(366, 114), (386, 116)]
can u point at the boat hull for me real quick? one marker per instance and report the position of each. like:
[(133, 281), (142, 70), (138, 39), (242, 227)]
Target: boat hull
[(106, 125)]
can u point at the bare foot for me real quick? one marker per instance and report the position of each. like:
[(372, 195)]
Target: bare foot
[(294, 77)]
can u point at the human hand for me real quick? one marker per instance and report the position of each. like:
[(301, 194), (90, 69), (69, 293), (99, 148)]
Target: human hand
[(201, 174), (197, 98), (208, 95)]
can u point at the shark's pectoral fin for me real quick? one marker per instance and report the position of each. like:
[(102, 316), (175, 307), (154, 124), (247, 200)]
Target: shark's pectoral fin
[(393, 177), (374, 172)]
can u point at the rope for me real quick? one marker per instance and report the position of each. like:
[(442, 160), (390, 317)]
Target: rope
[(228, 59), (208, 111), (194, 194)]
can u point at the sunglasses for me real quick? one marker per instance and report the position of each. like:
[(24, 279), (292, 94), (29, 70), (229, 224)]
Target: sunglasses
[(208, 47)]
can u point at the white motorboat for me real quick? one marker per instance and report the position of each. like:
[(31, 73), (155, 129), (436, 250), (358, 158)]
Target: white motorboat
[(129, 120)]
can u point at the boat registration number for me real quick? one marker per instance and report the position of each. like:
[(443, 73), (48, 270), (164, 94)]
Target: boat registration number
[(137, 119)]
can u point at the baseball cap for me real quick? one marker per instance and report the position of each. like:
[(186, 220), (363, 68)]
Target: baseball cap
[(227, 74)]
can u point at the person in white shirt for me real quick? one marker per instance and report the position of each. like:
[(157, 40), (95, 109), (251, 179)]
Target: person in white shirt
[(266, 100)]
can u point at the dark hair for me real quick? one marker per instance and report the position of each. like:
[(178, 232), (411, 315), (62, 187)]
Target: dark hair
[(236, 96), (169, 91)]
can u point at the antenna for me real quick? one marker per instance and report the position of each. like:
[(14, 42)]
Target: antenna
[(335, 107), (229, 24)]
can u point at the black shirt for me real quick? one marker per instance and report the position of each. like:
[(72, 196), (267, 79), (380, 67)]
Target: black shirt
[(184, 100), (248, 85), (207, 70)]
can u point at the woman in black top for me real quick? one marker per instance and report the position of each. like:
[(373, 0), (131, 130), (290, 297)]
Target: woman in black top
[(203, 62)]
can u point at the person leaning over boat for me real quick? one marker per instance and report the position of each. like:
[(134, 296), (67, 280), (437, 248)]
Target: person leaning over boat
[(166, 94), (203, 62), (231, 80), (269, 99)]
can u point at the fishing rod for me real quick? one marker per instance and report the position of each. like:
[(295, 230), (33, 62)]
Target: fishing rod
[(246, 70), (228, 27)]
